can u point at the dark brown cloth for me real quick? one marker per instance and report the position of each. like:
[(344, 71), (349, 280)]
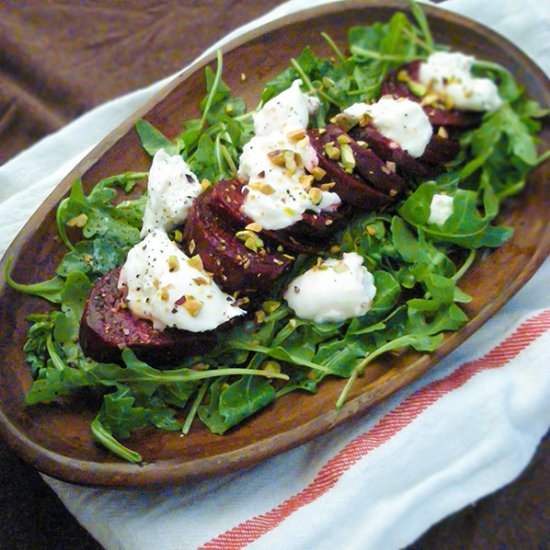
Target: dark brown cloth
[(58, 59)]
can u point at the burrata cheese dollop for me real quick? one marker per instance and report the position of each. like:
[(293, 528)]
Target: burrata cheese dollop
[(333, 290)]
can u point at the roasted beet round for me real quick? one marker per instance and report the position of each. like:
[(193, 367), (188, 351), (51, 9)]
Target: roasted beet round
[(439, 151), (304, 236), (439, 116), (108, 326), (367, 163), (353, 189), (235, 267)]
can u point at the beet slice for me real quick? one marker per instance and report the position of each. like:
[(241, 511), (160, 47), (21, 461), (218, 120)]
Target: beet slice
[(107, 326), (352, 189), (449, 118), (438, 152), (368, 164), (234, 267), (227, 199)]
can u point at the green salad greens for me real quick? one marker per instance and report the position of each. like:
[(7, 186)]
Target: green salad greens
[(416, 266)]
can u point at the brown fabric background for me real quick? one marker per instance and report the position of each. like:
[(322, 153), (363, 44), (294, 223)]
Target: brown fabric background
[(58, 59)]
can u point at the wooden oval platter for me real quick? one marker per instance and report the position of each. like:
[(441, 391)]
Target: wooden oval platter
[(56, 439)]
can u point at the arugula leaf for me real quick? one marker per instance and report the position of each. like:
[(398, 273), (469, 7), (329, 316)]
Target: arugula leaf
[(152, 139), (466, 226), (243, 398), (51, 290), (95, 213), (105, 437), (96, 256)]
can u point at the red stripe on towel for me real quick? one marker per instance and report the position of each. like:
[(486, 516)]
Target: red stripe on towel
[(252, 529)]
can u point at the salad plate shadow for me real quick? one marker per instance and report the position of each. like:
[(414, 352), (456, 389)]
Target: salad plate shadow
[(56, 438)]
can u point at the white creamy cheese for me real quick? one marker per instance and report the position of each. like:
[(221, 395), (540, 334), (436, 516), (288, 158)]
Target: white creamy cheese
[(285, 112), (450, 76), (171, 290), (171, 189), (400, 120), (275, 195), (441, 209), (333, 291)]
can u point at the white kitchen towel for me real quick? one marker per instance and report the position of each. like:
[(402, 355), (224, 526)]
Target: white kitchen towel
[(467, 428)]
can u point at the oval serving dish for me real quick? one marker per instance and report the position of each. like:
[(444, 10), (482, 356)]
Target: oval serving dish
[(56, 439)]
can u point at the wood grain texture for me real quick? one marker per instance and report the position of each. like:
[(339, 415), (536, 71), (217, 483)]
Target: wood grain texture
[(56, 439)]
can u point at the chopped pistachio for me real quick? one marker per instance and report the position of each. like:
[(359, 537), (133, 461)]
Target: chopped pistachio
[(270, 306), (78, 221), (331, 151), (344, 121), (305, 181), (296, 135), (415, 87), (290, 161), (266, 189), (251, 240), (259, 316), (205, 185), (178, 237), (192, 306), (173, 263), (251, 244), (327, 186), (343, 138), (315, 195), (277, 157), (442, 132), (195, 262), (243, 301), (348, 160), (364, 119), (318, 173), (430, 99), (254, 226)]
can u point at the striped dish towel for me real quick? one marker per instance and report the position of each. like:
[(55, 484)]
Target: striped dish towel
[(464, 430)]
